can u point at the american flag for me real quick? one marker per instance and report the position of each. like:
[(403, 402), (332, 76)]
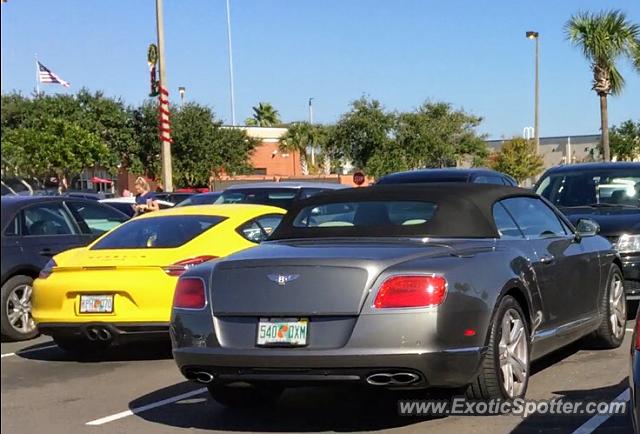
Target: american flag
[(47, 76)]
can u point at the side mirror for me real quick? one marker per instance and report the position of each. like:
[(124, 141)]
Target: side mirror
[(587, 228)]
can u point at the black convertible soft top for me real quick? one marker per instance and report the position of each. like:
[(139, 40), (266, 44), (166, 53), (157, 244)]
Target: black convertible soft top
[(463, 211)]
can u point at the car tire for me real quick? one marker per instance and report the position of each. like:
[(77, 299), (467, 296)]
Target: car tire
[(505, 351), (611, 332), (247, 396), (16, 300), (80, 346)]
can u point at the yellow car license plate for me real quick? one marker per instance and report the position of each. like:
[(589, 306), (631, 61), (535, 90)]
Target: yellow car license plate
[(272, 331), (96, 303)]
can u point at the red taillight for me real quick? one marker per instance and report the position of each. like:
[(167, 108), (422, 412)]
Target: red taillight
[(180, 267), (411, 291), (189, 293), (48, 269)]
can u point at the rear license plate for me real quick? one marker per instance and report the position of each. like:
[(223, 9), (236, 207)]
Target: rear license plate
[(272, 331), (96, 303)]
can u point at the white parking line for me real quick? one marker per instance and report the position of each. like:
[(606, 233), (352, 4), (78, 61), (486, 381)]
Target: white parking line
[(140, 409), (592, 424), (20, 352)]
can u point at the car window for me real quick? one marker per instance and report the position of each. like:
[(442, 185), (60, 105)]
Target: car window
[(534, 217), (280, 197), (13, 228), (505, 224), (488, 179), (259, 229), (157, 232), (614, 187), (373, 213), (46, 220), (95, 219)]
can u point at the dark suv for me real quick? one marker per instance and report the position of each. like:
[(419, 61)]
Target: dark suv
[(608, 193), (472, 175)]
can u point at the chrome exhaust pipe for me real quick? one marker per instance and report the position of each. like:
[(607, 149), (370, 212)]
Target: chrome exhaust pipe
[(92, 333), (379, 379), (104, 334), (404, 378), (202, 377), (395, 379)]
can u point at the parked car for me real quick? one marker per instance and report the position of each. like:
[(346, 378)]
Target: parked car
[(473, 175), (125, 204), (399, 286), (201, 199), (35, 228), (121, 286), (280, 194), (174, 197), (634, 376), (608, 193)]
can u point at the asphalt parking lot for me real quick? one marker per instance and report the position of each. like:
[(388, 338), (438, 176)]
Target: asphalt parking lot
[(139, 389)]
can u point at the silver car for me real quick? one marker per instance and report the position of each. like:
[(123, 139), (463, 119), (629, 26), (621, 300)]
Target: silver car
[(399, 287)]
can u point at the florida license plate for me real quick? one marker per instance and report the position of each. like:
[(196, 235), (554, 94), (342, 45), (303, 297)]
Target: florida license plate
[(96, 303), (282, 331)]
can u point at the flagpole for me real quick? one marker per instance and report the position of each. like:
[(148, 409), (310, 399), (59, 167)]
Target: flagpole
[(37, 77)]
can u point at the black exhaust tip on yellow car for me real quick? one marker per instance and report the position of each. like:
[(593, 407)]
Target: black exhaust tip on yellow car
[(99, 334)]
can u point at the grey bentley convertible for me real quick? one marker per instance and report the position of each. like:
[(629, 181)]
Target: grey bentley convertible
[(399, 287)]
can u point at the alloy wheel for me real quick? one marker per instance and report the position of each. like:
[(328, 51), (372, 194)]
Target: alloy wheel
[(617, 306), (18, 309), (513, 353)]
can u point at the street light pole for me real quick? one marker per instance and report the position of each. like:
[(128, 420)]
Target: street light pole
[(167, 173), (536, 121), (231, 86), (313, 149)]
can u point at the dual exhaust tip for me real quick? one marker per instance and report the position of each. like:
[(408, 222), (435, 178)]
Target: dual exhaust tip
[(393, 379), (378, 379), (99, 334)]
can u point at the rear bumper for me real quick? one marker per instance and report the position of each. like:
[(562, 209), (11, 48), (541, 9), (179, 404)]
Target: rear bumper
[(631, 273), (119, 330), (450, 368)]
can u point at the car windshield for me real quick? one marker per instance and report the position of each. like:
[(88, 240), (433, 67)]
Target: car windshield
[(280, 197), (365, 214), (606, 188), (199, 199), (157, 232)]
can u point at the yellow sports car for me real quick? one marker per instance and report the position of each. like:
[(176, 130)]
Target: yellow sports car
[(121, 285)]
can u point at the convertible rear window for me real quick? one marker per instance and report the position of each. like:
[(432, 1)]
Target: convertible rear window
[(157, 232), (365, 214)]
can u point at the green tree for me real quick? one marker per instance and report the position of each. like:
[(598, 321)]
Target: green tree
[(145, 155), (366, 129), (605, 38), (202, 147), (59, 147), (625, 140), (518, 158), (436, 135), (297, 139), (264, 115), (330, 151)]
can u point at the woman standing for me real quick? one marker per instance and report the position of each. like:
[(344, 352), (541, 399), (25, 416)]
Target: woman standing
[(145, 198)]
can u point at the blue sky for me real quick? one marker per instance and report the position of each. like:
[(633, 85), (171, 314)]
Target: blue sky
[(472, 54)]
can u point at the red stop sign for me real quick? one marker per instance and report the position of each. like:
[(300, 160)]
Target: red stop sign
[(358, 178)]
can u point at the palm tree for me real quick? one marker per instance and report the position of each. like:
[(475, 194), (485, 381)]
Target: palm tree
[(604, 38), (264, 115), (297, 139)]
